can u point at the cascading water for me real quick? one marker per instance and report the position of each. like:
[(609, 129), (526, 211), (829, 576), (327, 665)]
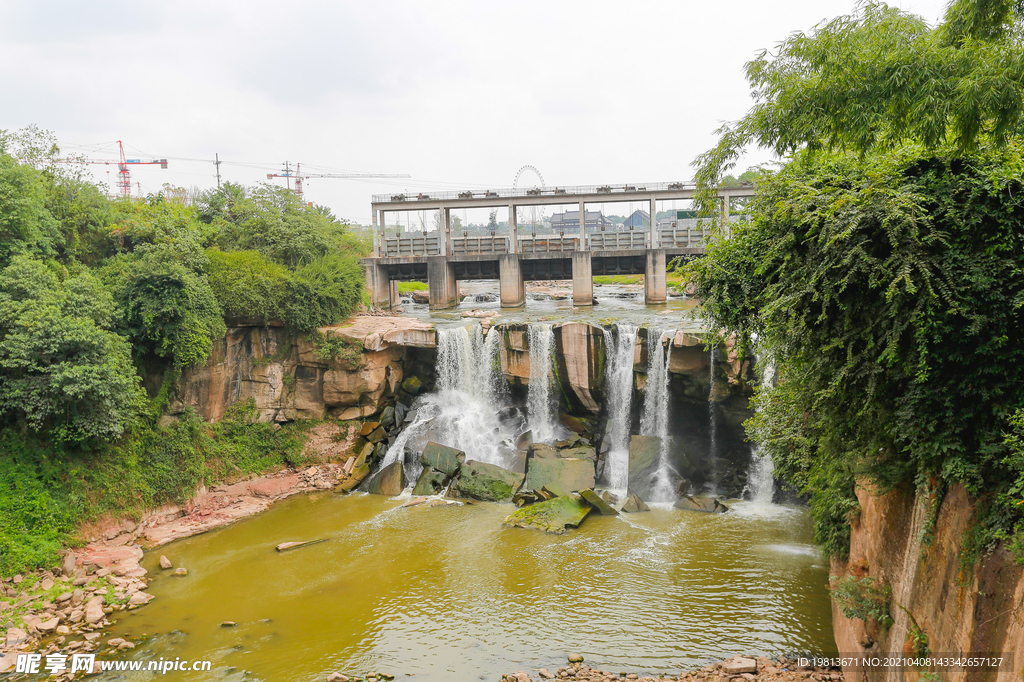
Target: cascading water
[(712, 425), (539, 403), (654, 421), (620, 352), (761, 476), (463, 411)]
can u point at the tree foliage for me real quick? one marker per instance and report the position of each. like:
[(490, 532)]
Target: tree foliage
[(878, 79), (62, 368)]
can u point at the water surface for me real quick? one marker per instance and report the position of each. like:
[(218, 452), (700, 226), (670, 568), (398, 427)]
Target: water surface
[(449, 594)]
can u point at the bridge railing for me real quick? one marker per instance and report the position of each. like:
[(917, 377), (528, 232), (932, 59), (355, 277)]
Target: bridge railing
[(683, 237), (617, 241), (412, 246), (611, 190), (473, 246), (549, 245)]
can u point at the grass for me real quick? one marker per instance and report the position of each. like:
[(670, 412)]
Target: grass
[(619, 279), (409, 287), (47, 490)]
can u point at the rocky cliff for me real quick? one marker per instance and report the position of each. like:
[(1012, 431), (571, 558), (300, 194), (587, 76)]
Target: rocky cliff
[(934, 605), (355, 369)]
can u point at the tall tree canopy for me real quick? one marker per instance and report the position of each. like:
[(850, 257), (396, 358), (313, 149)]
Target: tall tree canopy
[(883, 265)]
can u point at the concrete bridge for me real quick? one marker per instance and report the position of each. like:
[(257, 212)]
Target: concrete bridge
[(441, 259)]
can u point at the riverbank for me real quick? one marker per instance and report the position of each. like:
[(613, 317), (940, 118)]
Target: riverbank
[(740, 668), (65, 609)]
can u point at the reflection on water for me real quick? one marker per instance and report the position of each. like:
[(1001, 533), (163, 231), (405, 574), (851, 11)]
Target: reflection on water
[(448, 593)]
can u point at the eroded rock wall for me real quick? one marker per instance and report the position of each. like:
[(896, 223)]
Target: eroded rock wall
[(979, 612), (287, 378)]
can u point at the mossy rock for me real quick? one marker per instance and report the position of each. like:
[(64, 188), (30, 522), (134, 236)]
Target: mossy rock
[(595, 501), (412, 385), (553, 516), (700, 503), (388, 481), (487, 482), (561, 476), (443, 458), (430, 482)]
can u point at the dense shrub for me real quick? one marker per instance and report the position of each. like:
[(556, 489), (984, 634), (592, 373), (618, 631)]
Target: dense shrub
[(890, 290)]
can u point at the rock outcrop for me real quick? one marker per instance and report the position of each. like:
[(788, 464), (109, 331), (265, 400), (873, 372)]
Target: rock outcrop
[(487, 482), (956, 613), (287, 378), (552, 516)]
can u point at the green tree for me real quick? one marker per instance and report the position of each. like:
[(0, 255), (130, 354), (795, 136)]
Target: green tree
[(878, 79), (169, 309), (62, 369), (25, 224), (883, 268)]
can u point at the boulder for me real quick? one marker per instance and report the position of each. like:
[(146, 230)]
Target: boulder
[(15, 638), (388, 481), (577, 425), (644, 461), (378, 435), (553, 516), (67, 565), (595, 501), (579, 452), (387, 417), (739, 665), (140, 598), (634, 504), (443, 458), (561, 476), (49, 625), (430, 482), (543, 451), (94, 610), (412, 385), (165, 563), (700, 503), (488, 482), (181, 571), (367, 428)]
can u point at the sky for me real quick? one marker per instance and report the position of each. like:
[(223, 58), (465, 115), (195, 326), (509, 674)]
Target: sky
[(456, 94)]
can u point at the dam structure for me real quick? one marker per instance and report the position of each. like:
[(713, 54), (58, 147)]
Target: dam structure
[(441, 259)]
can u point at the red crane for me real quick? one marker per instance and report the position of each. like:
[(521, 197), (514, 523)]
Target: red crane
[(299, 176), (124, 178)]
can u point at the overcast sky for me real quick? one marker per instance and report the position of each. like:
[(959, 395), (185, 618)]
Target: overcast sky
[(456, 94)]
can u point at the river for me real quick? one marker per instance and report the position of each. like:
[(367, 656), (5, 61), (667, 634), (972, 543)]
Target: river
[(449, 594)]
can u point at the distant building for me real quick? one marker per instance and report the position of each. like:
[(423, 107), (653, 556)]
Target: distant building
[(637, 220), (569, 222), (682, 218)]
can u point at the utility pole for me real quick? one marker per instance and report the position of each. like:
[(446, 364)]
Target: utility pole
[(217, 164)]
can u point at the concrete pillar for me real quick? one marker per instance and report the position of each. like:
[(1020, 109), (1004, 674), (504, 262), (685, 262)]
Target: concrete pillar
[(655, 285), (377, 285), (446, 233), (442, 289), (513, 288), (654, 227), (513, 229), (582, 278), (583, 227), (383, 239), (395, 299)]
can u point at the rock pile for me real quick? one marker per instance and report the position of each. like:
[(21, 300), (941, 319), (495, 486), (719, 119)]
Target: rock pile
[(736, 669)]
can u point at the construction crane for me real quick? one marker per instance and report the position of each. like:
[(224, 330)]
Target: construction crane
[(299, 176), (124, 178)]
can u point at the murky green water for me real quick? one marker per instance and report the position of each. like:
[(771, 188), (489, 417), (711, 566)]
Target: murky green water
[(448, 593)]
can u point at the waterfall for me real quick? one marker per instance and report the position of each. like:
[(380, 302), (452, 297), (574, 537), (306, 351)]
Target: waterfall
[(463, 410), (760, 477), (620, 350), (539, 403), (712, 424), (654, 421)]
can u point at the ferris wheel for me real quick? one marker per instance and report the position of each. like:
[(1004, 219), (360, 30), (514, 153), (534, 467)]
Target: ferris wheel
[(535, 214)]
